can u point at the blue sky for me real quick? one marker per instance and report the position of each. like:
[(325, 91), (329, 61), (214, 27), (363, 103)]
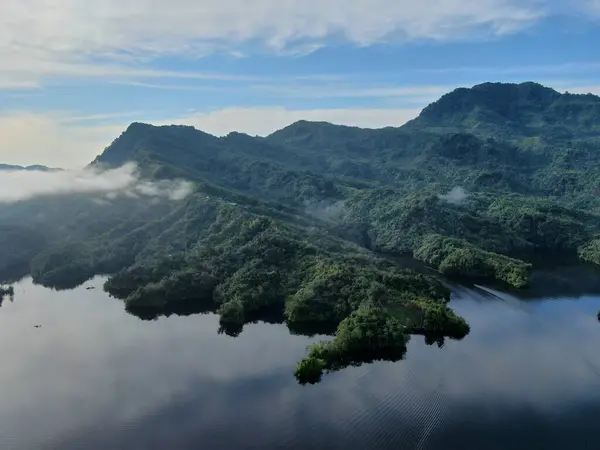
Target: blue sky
[(75, 74)]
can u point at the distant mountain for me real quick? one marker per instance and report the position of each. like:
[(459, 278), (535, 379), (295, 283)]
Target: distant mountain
[(34, 168)]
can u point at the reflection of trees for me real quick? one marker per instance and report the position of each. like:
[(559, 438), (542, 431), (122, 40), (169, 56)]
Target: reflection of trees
[(369, 334), (563, 281), (433, 338), (184, 308), (7, 292)]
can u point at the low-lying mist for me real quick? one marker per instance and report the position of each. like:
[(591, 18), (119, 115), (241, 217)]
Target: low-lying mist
[(456, 196), (124, 181), (325, 210)]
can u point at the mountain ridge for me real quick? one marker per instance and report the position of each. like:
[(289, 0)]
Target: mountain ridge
[(311, 221), (311, 152), (31, 168), (493, 95)]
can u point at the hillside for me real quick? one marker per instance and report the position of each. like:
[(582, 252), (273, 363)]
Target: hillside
[(304, 225), (514, 112)]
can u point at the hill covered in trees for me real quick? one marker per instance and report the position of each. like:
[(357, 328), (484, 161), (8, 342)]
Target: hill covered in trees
[(305, 225)]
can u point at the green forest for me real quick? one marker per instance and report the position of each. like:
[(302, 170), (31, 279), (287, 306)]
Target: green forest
[(305, 226)]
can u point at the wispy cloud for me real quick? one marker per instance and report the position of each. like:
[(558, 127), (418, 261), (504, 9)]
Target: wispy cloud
[(54, 38), (337, 90), (109, 184), (593, 6), (456, 196), (576, 67), (53, 138), (100, 117), (313, 89), (23, 71)]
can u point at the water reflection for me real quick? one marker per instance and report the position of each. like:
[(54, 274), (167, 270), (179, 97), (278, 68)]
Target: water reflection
[(6, 292), (527, 376)]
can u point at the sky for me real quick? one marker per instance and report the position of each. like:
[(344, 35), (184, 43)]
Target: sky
[(74, 74)]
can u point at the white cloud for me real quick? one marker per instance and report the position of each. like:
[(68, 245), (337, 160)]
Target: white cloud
[(51, 139), (17, 186), (456, 196), (594, 6), (329, 90), (57, 37)]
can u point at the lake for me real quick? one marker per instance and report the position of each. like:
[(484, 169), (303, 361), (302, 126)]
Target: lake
[(94, 377)]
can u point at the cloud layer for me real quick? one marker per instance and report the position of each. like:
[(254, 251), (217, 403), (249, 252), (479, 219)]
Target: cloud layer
[(109, 184), (41, 38)]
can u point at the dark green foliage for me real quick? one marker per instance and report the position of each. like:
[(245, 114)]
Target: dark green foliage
[(20, 244), (513, 111), (437, 319), (455, 257), (480, 225), (289, 227), (6, 291), (368, 334), (248, 265), (591, 251)]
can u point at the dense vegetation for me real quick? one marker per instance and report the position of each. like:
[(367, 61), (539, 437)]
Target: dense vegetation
[(246, 266), (304, 225), (591, 251), (6, 291)]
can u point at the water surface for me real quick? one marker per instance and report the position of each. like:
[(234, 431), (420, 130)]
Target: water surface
[(95, 377)]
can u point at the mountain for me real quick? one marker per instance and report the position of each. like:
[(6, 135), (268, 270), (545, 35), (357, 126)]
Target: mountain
[(513, 112), (34, 168), (306, 225)]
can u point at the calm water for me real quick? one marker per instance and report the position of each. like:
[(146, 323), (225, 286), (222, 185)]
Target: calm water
[(94, 377)]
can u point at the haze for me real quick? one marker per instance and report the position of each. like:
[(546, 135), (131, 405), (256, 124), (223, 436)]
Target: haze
[(17, 185)]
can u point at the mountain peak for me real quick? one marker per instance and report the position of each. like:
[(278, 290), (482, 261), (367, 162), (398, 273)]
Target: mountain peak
[(523, 109), (142, 140), (304, 132), (502, 99)]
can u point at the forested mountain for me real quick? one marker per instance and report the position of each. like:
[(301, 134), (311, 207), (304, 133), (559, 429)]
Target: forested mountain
[(304, 225), (514, 112)]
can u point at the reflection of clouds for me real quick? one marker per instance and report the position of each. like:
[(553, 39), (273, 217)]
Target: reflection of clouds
[(523, 353), (96, 375), (90, 360)]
